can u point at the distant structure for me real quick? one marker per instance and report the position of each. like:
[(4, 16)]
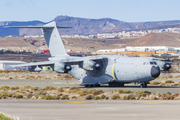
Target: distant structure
[(6, 65), (142, 49)]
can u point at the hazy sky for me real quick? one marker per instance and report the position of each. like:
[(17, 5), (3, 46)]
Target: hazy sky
[(123, 10)]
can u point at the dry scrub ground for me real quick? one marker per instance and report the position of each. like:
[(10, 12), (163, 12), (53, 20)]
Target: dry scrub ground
[(74, 93), (43, 75)]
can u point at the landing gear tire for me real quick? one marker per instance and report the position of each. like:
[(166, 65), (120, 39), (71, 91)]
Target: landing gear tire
[(143, 85), (116, 84), (97, 85), (121, 84), (86, 85)]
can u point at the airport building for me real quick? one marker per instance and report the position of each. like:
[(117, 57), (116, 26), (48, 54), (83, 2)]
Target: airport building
[(6, 65), (150, 48), (142, 49)]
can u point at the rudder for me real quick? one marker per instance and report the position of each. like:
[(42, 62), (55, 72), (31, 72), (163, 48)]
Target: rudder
[(53, 40)]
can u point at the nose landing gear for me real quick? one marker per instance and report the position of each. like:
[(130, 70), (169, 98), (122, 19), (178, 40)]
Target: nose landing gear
[(143, 85)]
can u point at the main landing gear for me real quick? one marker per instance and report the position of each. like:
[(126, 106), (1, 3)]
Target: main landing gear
[(116, 84), (95, 85), (143, 85)]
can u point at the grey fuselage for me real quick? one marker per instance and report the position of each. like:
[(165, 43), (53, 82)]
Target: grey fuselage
[(114, 68)]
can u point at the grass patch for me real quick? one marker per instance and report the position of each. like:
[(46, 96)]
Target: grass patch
[(89, 97), (3, 117), (169, 81), (115, 97)]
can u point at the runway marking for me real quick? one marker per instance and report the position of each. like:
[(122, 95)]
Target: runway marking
[(75, 102), (151, 103)]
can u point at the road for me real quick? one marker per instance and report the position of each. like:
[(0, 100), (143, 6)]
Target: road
[(91, 110)]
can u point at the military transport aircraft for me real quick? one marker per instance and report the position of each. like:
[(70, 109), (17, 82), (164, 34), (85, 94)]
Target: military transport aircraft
[(92, 71)]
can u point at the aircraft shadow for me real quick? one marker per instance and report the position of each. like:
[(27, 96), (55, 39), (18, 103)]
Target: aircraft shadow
[(132, 86)]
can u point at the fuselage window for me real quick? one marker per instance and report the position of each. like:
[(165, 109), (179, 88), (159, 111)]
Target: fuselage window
[(155, 63), (144, 63), (151, 63)]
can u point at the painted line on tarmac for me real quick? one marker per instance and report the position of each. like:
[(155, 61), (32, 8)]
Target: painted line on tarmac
[(151, 103), (76, 102)]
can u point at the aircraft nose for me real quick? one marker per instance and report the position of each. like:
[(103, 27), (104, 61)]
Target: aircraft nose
[(155, 72)]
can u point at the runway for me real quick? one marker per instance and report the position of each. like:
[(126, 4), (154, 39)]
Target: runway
[(76, 83), (91, 110)]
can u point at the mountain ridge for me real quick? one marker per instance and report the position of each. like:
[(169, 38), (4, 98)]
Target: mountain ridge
[(83, 26)]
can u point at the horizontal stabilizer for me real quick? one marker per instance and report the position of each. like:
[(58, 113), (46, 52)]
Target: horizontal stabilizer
[(52, 37), (34, 27), (47, 63)]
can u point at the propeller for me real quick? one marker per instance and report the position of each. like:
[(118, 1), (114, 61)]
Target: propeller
[(167, 66), (97, 66), (67, 68)]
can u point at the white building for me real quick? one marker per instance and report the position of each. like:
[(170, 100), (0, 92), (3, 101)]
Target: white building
[(141, 48), (6, 65), (113, 50), (150, 48)]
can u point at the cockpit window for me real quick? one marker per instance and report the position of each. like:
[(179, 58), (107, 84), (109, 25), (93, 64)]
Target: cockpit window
[(149, 63)]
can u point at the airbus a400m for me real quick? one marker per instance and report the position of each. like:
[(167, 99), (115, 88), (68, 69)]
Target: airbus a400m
[(115, 70)]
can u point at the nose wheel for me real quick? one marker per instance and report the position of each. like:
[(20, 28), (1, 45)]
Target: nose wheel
[(143, 85)]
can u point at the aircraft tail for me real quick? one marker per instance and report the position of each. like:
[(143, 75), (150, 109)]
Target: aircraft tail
[(52, 37)]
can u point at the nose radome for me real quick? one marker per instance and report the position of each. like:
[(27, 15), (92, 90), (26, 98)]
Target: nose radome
[(155, 72)]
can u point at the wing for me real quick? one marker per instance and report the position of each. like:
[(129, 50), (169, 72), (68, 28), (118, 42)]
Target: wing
[(46, 63), (82, 59)]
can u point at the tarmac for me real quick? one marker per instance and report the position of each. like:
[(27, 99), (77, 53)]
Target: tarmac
[(91, 110)]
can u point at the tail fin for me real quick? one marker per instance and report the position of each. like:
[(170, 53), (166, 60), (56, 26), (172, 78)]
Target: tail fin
[(52, 38)]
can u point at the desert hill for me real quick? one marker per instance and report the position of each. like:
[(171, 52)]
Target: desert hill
[(73, 44), (92, 44), (16, 44), (157, 39)]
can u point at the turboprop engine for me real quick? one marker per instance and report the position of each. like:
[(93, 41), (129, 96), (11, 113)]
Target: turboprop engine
[(163, 65), (61, 67), (90, 65), (35, 69)]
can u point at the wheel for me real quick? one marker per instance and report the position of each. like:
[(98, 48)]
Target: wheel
[(113, 85), (121, 84), (145, 85), (118, 84), (110, 84), (97, 85)]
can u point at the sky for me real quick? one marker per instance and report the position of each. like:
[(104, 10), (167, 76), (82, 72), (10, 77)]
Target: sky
[(123, 10)]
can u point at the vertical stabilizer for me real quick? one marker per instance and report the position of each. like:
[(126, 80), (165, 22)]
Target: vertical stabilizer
[(52, 37), (53, 40)]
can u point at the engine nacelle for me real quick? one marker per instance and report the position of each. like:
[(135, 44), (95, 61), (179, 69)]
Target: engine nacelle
[(88, 65), (59, 67), (35, 69), (163, 65)]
